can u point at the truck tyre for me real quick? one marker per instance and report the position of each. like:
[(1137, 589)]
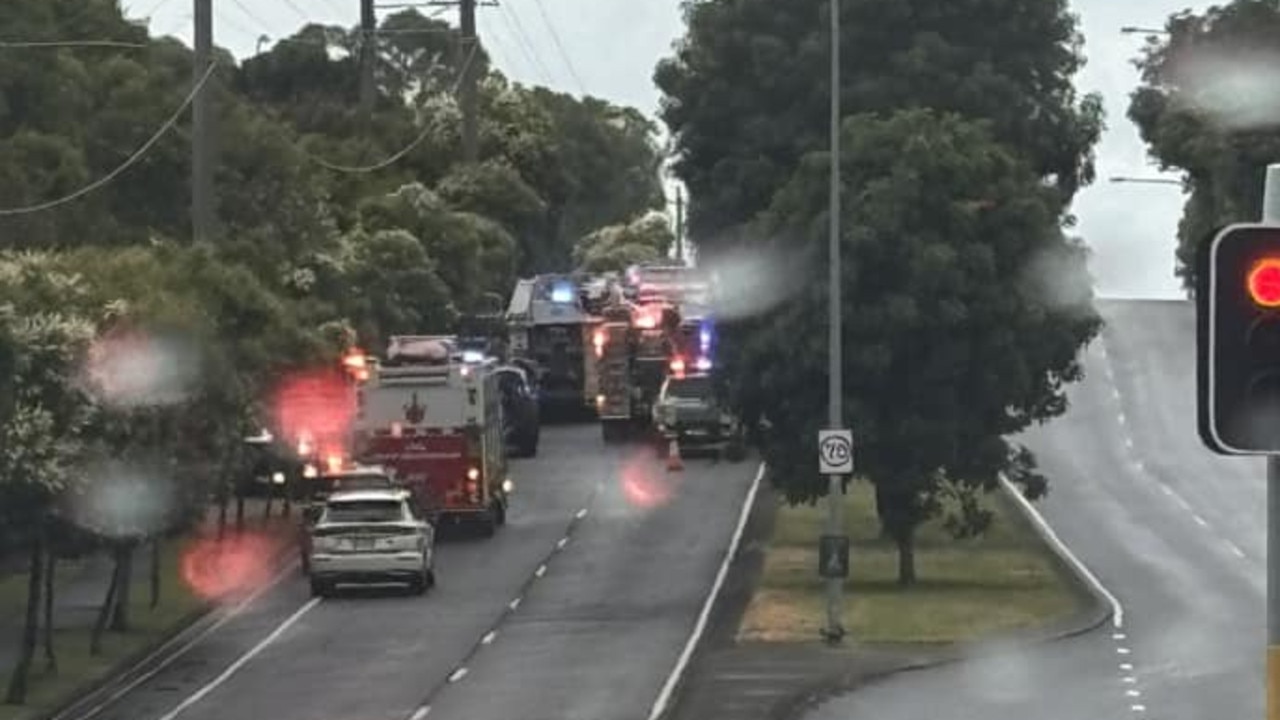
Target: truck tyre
[(488, 524), (320, 588), (419, 585), (736, 450)]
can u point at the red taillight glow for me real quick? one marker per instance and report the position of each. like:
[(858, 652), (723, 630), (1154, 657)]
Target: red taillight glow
[(1264, 282), (334, 463), (598, 339), (677, 365)]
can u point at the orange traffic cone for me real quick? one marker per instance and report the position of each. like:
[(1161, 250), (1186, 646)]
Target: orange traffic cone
[(674, 463)]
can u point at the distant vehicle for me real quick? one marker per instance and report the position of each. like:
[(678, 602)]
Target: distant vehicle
[(688, 411), (371, 536), (549, 324), (520, 409)]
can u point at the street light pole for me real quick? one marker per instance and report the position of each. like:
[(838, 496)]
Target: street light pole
[(1146, 181), (1271, 216), (835, 521)]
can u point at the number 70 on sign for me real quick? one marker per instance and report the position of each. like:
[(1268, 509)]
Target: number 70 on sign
[(835, 452)]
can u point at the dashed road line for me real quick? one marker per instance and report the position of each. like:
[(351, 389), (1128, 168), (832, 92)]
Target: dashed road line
[(514, 603), (1199, 520), (1235, 549), (542, 570), (420, 713), (489, 637), (581, 513), (1138, 708), (563, 541), (1122, 650), (458, 675)]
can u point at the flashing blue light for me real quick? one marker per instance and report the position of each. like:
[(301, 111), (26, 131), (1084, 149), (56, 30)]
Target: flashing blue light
[(562, 293), (704, 363)]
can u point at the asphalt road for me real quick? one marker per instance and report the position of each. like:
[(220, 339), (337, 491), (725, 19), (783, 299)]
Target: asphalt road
[(1174, 532), (578, 608)]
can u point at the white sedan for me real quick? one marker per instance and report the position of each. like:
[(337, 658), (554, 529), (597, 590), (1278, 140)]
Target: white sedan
[(371, 536)]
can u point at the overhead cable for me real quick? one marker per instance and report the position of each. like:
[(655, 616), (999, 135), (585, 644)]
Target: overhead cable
[(132, 159)]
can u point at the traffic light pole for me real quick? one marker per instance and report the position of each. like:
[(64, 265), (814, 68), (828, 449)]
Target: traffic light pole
[(1271, 215)]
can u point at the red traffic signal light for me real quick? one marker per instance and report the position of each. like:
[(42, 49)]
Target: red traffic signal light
[(1264, 282), (1238, 340)]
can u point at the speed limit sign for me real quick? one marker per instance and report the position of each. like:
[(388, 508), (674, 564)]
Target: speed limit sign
[(835, 452)]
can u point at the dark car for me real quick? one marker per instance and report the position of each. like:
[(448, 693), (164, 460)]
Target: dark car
[(520, 410)]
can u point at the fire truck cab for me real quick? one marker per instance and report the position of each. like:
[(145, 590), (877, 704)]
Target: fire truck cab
[(434, 419)]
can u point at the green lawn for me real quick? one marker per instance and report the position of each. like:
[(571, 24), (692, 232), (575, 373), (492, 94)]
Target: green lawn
[(76, 669), (1006, 580)]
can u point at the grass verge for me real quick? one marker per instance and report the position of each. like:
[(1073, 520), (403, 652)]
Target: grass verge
[(77, 670), (1005, 580)]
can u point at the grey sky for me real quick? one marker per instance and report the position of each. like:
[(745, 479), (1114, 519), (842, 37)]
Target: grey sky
[(612, 46)]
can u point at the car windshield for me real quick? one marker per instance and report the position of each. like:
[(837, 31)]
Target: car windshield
[(364, 511), (693, 388)]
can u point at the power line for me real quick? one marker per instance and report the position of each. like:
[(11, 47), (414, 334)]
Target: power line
[(555, 37), (296, 9), (522, 40), (72, 43), (462, 74), (245, 9), (129, 162)]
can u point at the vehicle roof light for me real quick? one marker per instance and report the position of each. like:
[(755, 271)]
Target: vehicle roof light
[(562, 293), (677, 365), (472, 356), (704, 363)]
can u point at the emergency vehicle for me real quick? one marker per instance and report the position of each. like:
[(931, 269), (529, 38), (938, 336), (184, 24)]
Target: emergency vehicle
[(434, 419), (633, 347), (550, 327)]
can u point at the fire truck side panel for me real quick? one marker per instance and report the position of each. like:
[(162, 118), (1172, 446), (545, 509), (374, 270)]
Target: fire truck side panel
[(615, 372), (433, 466)]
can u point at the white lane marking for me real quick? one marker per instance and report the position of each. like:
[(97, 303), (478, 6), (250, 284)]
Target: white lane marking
[(1118, 636), (1182, 502), (542, 570), (1133, 693), (1117, 610), (1235, 549), (420, 713), (1128, 442), (1129, 679), (1138, 708), (1121, 418), (458, 675), (581, 513), (514, 604), (487, 639), (1115, 393), (243, 660), (1126, 666), (1200, 521), (1139, 466), (230, 615), (563, 541), (1122, 650), (1167, 490), (699, 627)]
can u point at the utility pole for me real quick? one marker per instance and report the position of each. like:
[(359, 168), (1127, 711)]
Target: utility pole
[(1271, 216), (679, 225), (368, 55), (467, 90), (834, 630), (203, 217)]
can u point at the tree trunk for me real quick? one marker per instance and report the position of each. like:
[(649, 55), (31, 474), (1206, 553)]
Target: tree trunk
[(239, 511), (124, 582), (157, 544), (906, 558), (104, 614), (882, 506), (51, 569), (223, 502), (17, 694)]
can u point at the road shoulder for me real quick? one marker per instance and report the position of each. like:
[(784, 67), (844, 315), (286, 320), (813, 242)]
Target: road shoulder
[(779, 681)]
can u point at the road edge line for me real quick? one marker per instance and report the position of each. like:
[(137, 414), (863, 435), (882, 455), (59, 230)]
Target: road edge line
[(660, 705), (1047, 534)]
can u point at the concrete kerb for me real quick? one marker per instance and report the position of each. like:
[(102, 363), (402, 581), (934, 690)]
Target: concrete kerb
[(97, 693), (1100, 607)]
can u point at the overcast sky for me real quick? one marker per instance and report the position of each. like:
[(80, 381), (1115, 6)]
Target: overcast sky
[(1131, 227)]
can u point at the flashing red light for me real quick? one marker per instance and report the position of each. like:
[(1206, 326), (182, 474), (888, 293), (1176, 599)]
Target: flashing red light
[(598, 339), (1264, 282), (355, 359), (677, 365)]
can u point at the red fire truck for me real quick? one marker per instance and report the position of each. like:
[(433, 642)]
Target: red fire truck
[(434, 420)]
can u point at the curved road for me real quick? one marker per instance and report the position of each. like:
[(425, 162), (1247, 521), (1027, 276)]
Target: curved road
[(578, 608), (1175, 533)]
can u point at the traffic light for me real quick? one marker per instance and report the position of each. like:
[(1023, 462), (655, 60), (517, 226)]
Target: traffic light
[(1238, 340)]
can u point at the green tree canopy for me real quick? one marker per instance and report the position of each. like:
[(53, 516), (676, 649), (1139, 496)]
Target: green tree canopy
[(1196, 113), (746, 94), (615, 247), (965, 309)]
